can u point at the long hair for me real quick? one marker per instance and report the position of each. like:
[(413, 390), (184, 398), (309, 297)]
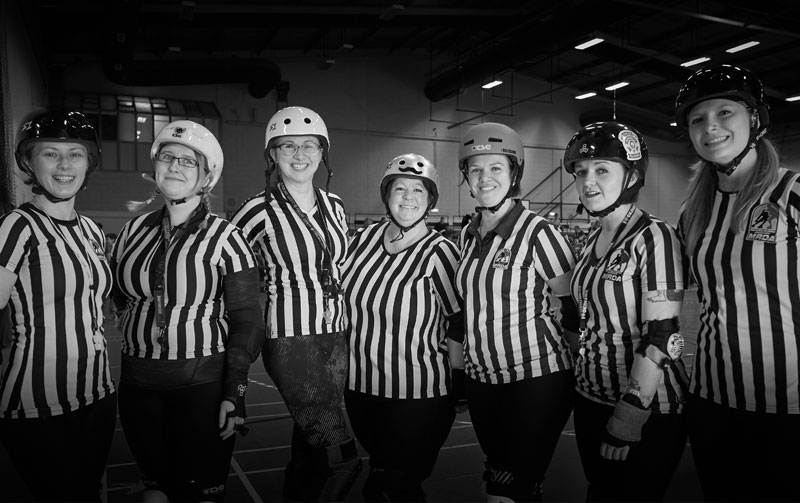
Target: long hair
[(703, 182)]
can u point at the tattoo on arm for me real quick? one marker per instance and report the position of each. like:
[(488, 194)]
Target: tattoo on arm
[(634, 384), (665, 295)]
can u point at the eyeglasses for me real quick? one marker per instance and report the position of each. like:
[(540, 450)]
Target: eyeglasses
[(186, 162), (308, 149)]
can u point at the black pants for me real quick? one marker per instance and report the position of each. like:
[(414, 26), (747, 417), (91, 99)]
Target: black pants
[(648, 469), (518, 425), (63, 458), (401, 436), (174, 436), (744, 456)]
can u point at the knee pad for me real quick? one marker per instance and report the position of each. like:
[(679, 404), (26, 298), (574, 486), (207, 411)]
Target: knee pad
[(510, 486)]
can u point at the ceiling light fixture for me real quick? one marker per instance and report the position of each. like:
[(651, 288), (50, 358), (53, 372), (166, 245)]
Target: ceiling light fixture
[(742, 47), (589, 43), (673, 124), (585, 95), (616, 86), (492, 84), (793, 98), (696, 61)]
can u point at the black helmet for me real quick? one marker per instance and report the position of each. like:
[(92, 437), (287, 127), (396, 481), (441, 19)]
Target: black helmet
[(616, 142), (63, 126), (723, 81), (608, 140)]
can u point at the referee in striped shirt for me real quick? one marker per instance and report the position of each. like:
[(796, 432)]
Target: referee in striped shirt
[(512, 264), (740, 225), (301, 232), (404, 320), (186, 292), (628, 284), (57, 399)]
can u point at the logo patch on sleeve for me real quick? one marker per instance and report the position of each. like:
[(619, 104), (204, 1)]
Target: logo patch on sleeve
[(763, 223)]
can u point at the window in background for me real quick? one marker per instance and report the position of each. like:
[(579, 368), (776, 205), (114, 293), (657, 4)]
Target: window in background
[(127, 125)]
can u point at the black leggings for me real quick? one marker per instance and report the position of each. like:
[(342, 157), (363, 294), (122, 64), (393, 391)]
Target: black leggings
[(646, 473), (402, 436), (63, 458), (518, 425), (174, 436), (744, 456)]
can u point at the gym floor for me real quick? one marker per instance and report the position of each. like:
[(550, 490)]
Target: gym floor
[(257, 466)]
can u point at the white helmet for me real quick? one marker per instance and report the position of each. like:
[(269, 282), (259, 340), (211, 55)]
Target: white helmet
[(198, 138), (297, 121)]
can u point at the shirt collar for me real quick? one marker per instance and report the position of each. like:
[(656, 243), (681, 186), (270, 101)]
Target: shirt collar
[(504, 228)]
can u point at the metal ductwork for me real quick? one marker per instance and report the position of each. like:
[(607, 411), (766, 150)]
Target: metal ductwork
[(119, 65), (260, 75)]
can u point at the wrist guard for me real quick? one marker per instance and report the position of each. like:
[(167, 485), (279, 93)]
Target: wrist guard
[(624, 427), (234, 393)]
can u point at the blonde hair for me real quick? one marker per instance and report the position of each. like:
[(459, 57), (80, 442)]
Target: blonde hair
[(699, 201)]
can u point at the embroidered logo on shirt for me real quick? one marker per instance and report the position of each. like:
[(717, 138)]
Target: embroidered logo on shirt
[(502, 259), (763, 224), (616, 265)]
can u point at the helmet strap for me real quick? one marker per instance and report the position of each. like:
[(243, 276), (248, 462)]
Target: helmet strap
[(625, 197), (496, 207), (407, 228), (755, 136)]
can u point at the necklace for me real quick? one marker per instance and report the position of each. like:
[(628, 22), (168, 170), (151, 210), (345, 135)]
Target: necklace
[(584, 294)]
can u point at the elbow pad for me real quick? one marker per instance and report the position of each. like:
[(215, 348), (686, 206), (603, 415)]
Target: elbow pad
[(455, 327), (245, 320), (570, 318), (664, 335)]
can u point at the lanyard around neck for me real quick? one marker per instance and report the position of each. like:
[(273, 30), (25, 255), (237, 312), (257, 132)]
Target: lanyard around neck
[(330, 284)]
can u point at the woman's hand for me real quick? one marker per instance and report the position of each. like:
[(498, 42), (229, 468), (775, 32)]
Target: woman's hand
[(230, 424)]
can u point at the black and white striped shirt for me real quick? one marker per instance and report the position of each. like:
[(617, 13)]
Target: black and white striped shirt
[(511, 333), (397, 304), (194, 270), (749, 291), (294, 259), (647, 256), (58, 361)]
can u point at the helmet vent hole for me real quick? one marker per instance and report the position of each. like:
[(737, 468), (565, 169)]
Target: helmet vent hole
[(420, 164), (498, 140), (402, 162), (287, 121), (307, 120)]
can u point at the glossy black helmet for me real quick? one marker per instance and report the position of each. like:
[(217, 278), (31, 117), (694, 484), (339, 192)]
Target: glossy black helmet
[(61, 126), (723, 81), (608, 140)]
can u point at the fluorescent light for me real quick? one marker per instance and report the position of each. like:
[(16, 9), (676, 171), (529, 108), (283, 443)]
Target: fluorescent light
[(617, 86), (793, 98), (435, 210), (586, 95), (742, 47), (492, 84), (695, 61), (588, 44), (673, 124)]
